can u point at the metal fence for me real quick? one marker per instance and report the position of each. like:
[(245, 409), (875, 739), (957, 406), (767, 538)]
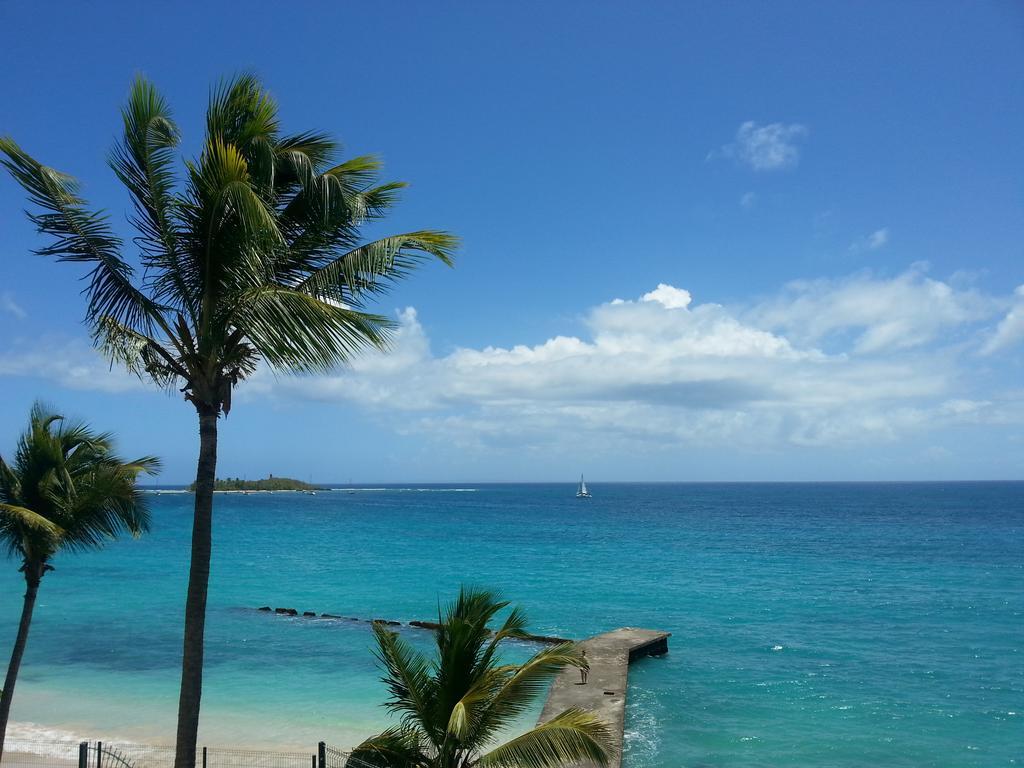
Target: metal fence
[(100, 754), (329, 757)]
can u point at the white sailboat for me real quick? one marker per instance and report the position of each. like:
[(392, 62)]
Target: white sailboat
[(582, 493)]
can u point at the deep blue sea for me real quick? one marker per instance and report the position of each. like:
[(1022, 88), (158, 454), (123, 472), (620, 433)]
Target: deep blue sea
[(813, 624)]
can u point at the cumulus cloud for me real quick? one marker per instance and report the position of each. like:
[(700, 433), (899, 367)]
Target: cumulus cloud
[(1010, 330), (668, 296), (73, 363), (769, 147), (879, 314), (857, 360), (825, 362), (9, 305), (877, 239)]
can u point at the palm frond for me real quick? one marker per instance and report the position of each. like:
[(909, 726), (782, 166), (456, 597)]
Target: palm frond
[(140, 354), (143, 162), (462, 671), (232, 236), (393, 748), (224, 176), (297, 332), (243, 115), (27, 533), (372, 268), (105, 505), (574, 736), (79, 235), (324, 216), (240, 110), (514, 627), (522, 684), (67, 489), (356, 173), (299, 160), (408, 677)]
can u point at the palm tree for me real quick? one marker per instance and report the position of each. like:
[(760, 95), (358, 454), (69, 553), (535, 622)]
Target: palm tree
[(453, 707), (65, 490), (254, 255)]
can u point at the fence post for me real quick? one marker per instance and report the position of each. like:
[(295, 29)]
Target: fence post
[(321, 752), (99, 754), (83, 755), (204, 757)]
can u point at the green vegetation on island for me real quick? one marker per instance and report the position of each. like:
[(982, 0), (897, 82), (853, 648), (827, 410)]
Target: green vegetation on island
[(267, 484)]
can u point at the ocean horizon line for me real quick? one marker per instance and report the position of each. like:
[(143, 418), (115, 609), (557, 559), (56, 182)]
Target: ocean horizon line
[(468, 485)]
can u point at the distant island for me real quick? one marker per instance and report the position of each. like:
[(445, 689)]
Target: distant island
[(267, 484)]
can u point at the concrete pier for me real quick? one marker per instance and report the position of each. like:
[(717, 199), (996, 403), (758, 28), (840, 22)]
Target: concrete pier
[(609, 655)]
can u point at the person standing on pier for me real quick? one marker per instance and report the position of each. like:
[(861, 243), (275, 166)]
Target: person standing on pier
[(585, 669)]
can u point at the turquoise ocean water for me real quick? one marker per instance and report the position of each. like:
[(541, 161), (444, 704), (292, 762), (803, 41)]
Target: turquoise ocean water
[(813, 624)]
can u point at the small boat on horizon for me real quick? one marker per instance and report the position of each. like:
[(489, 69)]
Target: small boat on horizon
[(582, 492)]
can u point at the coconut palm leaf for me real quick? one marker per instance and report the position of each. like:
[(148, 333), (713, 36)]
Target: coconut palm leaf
[(298, 158), (372, 268), (289, 327), (107, 506), (20, 526), (66, 489), (143, 162), (520, 685), (139, 353), (80, 235), (570, 737), (408, 676), (393, 748)]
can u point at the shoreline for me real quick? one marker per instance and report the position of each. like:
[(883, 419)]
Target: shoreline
[(47, 743)]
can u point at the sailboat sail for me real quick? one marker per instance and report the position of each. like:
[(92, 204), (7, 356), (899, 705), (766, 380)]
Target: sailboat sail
[(582, 493)]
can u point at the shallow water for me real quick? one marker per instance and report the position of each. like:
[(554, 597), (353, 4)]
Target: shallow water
[(813, 624)]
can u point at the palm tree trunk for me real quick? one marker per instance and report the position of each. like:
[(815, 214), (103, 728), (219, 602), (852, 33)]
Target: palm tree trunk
[(33, 573), (195, 604)]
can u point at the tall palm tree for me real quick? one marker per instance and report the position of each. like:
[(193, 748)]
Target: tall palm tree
[(65, 490), (254, 255), (454, 706)]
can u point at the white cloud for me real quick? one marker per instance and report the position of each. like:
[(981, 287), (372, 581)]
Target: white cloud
[(9, 305), (863, 359), (748, 200), (72, 363), (769, 147), (668, 296), (661, 369), (877, 239), (881, 314), (1010, 330)]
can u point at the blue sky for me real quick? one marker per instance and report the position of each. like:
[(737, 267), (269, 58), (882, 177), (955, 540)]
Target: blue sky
[(828, 195)]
